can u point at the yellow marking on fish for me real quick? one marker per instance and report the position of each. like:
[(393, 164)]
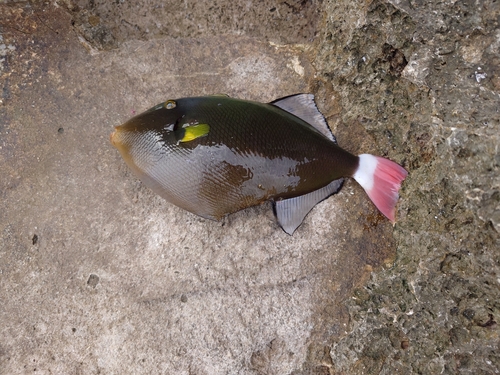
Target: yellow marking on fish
[(195, 131)]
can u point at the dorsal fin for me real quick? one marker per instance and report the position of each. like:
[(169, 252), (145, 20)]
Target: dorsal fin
[(304, 107)]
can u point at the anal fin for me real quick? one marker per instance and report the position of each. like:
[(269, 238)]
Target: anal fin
[(291, 212)]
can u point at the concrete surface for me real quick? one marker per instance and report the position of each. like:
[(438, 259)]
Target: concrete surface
[(99, 275)]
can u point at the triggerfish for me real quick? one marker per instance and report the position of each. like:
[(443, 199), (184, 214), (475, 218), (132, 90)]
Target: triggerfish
[(215, 155)]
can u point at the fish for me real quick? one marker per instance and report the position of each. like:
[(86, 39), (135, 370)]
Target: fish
[(216, 155)]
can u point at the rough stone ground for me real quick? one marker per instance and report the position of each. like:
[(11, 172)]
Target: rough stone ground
[(98, 275)]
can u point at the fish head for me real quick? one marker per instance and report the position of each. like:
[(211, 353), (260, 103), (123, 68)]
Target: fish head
[(149, 137), (155, 145), (168, 124), (140, 140), (157, 121)]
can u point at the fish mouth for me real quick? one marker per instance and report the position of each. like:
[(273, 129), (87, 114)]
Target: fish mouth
[(118, 140), (113, 137)]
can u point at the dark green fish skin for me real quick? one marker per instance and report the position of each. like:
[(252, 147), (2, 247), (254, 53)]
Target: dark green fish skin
[(253, 152)]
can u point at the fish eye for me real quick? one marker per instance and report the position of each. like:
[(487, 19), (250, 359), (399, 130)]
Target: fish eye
[(170, 104)]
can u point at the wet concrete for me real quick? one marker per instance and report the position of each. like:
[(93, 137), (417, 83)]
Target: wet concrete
[(99, 275)]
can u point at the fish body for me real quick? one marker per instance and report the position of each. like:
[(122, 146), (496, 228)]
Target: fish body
[(216, 155)]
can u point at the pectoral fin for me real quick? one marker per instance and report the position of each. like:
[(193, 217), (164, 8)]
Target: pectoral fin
[(191, 132), (291, 212)]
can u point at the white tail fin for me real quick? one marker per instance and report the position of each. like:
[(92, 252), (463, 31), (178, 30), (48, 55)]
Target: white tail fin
[(381, 179)]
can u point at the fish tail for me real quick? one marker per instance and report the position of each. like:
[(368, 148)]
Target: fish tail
[(381, 178)]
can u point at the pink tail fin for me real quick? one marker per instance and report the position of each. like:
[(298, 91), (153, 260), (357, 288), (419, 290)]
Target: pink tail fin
[(381, 179)]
